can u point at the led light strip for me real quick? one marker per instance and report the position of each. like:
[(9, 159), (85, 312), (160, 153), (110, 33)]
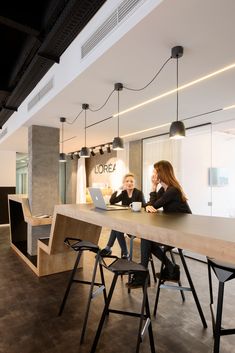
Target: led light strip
[(192, 83), (229, 107), (167, 124), (145, 130)]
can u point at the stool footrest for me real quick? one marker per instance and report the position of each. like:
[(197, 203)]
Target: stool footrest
[(146, 325), (212, 315), (127, 313), (98, 291), (228, 331), (186, 289), (86, 282)]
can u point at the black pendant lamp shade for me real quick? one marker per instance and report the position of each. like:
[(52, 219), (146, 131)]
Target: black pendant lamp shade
[(85, 151), (63, 157), (62, 154), (177, 128), (76, 155), (118, 143)]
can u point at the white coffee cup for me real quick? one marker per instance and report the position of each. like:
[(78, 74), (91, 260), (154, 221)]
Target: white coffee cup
[(136, 206)]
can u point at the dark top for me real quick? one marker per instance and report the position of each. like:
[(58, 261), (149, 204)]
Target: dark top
[(170, 200), (137, 195)]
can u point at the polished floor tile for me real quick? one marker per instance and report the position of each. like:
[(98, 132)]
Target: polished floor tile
[(29, 321)]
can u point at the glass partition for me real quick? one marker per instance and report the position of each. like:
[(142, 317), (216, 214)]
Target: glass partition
[(223, 169), (191, 158), (21, 173), (204, 164)]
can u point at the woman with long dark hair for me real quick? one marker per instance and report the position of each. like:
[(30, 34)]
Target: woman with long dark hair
[(171, 198)]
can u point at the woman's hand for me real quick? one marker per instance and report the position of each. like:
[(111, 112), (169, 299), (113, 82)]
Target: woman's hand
[(150, 209), (155, 181)]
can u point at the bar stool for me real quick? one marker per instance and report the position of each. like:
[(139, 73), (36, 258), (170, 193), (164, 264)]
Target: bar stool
[(81, 246), (132, 238), (191, 288), (125, 267), (224, 272)]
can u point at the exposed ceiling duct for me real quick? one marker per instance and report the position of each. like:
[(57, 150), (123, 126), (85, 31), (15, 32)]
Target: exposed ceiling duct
[(33, 37)]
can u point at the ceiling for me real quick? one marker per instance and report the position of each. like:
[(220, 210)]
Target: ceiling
[(34, 34), (206, 31)]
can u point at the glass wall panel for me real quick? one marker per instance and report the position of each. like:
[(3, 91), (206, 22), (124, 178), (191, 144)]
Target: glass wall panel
[(21, 173), (191, 159), (223, 169)]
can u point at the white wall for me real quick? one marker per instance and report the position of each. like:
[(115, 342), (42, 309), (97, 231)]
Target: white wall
[(223, 196), (8, 168), (195, 163)]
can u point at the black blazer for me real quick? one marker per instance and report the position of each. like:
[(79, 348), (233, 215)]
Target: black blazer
[(170, 200), (137, 195)]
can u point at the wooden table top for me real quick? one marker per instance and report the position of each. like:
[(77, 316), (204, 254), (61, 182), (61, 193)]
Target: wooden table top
[(210, 236)]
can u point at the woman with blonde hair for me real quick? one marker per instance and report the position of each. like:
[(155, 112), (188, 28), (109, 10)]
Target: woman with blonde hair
[(171, 198), (128, 195)]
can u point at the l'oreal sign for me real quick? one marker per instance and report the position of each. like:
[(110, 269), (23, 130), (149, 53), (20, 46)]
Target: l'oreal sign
[(105, 168)]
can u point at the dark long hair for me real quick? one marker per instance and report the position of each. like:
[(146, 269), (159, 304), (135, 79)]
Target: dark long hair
[(166, 174)]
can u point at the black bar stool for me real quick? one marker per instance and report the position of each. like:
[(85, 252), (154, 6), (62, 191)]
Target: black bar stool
[(132, 238), (81, 246), (224, 272), (121, 267), (179, 287)]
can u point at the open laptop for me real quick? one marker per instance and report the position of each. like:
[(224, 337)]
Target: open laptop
[(99, 202)]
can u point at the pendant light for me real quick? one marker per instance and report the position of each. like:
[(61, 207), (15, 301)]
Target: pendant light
[(62, 154), (118, 143), (85, 151), (109, 148), (177, 128)]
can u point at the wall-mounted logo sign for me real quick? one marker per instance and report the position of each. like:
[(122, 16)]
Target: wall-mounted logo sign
[(105, 168)]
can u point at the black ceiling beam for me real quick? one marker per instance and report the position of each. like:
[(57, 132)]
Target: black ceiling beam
[(74, 17), (19, 26), (5, 92), (12, 109), (54, 59)]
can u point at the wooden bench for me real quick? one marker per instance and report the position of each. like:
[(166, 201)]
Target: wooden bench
[(53, 255)]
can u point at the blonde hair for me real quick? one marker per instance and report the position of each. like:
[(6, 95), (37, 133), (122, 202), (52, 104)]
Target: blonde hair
[(127, 176), (166, 174)]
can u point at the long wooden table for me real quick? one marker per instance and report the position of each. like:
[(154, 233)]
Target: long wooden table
[(210, 236)]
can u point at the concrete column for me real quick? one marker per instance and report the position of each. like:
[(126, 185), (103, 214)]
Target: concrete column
[(43, 178)]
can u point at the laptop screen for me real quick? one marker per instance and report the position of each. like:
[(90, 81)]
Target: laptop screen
[(97, 198)]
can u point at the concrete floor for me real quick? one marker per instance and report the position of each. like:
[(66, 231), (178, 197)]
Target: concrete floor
[(29, 306)]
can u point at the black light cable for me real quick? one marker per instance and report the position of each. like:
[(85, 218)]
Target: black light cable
[(85, 151), (102, 106), (73, 121), (62, 154), (111, 93), (149, 83), (177, 128), (118, 143)]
